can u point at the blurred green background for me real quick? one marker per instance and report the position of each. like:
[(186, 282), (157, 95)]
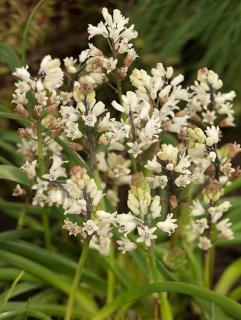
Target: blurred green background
[(187, 34)]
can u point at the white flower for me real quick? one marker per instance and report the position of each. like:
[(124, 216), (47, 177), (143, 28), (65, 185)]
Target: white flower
[(183, 180), (90, 227), (96, 196), (204, 243), (155, 207), (132, 104), (168, 152), (212, 135), (121, 171), (55, 196), (183, 165), (53, 74), (139, 201), (205, 75), (90, 114), (125, 245), (157, 181), (110, 64), (101, 244), (146, 235), (74, 206), (72, 228), (169, 225), (199, 226), (89, 119), (126, 223), (212, 156), (106, 216), (197, 209), (22, 73), (224, 227), (114, 27), (56, 170), (135, 149), (69, 114), (170, 166), (40, 186), (70, 64), (99, 30), (150, 133), (225, 206), (72, 131), (30, 168), (18, 191), (153, 165), (177, 80)]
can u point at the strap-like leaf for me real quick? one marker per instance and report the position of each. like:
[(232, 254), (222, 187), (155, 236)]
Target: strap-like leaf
[(229, 277), (14, 174), (9, 56), (44, 274), (228, 305)]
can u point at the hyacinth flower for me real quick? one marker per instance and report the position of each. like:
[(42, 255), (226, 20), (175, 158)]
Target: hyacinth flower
[(126, 142)]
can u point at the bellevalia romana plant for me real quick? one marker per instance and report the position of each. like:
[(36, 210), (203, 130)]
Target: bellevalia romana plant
[(160, 141)]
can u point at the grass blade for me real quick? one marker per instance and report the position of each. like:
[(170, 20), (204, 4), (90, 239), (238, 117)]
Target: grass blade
[(228, 305)]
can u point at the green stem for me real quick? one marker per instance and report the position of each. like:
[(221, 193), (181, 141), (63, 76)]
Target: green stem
[(165, 308), (210, 260), (110, 278), (119, 88), (209, 267), (41, 171), (41, 166), (26, 31), (76, 280)]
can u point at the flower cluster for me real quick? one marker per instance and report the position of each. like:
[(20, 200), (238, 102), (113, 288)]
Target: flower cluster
[(126, 143)]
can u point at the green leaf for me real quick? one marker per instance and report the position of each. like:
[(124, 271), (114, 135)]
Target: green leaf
[(9, 274), (10, 136), (73, 156), (58, 281), (236, 294), (12, 116), (228, 305), (167, 275), (11, 150), (46, 296), (51, 309), (26, 30), (5, 161), (19, 289), (16, 206), (229, 277), (9, 56), (14, 174), (227, 243), (8, 294), (10, 314), (54, 261), (195, 263), (17, 234), (232, 186)]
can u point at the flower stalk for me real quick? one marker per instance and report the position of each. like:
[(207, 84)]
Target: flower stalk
[(76, 280), (209, 261), (162, 307), (41, 171)]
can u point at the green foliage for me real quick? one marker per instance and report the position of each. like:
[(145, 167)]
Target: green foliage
[(191, 34), (43, 276), (9, 56), (14, 174)]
